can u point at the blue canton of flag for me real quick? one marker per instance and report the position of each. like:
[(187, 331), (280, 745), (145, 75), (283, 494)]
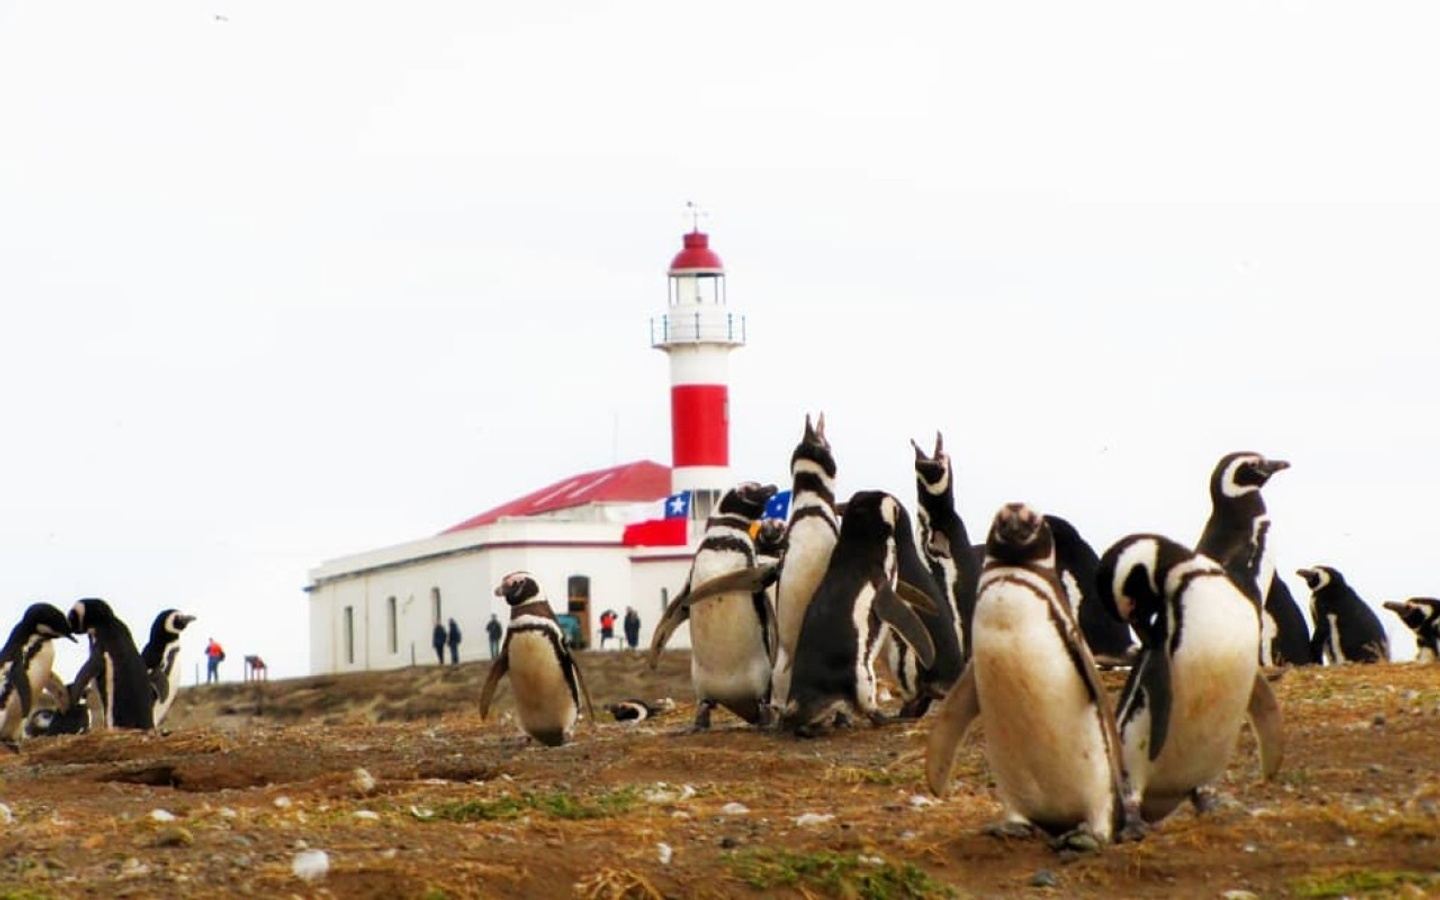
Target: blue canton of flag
[(677, 506), (778, 506)]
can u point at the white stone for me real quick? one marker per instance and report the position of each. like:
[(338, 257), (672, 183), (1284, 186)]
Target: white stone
[(367, 814), (282, 802), (665, 853), (734, 809), (161, 815), (808, 819), (363, 781), (310, 865)]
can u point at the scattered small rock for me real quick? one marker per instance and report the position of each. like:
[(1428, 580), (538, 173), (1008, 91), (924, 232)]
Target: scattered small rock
[(228, 813), (310, 865), (133, 868), (1044, 878), (1350, 840), (728, 843), (362, 781), (734, 809), (282, 802), (808, 819), (1239, 894), (1378, 721), (870, 860), (1250, 848), (174, 837), (920, 801), (6, 816), (162, 815), (389, 853), (300, 844), (664, 852), (367, 815)]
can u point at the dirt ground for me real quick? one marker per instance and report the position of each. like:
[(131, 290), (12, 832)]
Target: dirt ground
[(252, 781)]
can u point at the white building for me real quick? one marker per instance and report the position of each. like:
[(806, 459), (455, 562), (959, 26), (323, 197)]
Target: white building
[(583, 537)]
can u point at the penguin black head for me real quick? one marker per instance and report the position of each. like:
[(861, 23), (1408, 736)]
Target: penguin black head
[(932, 473), (747, 500), (769, 536), (871, 514), (814, 449), (168, 625), (1320, 577), (44, 620), (1242, 473), (1132, 573), (518, 588), (89, 614), (1416, 612), (1020, 535)]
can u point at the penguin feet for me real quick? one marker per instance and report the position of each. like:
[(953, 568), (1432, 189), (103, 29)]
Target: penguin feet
[(702, 717), (1010, 830), (878, 719), (1077, 840)]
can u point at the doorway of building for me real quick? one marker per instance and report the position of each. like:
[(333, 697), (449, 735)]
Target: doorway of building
[(578, 588)]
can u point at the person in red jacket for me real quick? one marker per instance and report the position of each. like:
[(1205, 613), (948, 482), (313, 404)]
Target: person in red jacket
[(607, 627), (214, 655)]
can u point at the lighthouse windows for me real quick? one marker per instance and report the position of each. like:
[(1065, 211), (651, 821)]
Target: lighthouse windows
[(697, 290)]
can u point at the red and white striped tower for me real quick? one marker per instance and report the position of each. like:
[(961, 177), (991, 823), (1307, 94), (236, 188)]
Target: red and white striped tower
[(697, 332)]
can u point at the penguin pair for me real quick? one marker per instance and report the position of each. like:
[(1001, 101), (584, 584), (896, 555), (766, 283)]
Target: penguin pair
[(1422, 616), (543, 673), (115, 668), (1346, 628), (733, 637), (811, 534), (27, 667), (1237, 537)]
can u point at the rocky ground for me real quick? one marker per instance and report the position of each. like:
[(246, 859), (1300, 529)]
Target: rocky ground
[(392, 784)]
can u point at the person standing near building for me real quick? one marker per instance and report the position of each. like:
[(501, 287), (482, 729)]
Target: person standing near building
[(437, 640), (454, 643), (214, 656), (494, 629), (632, 627), (607, 626)]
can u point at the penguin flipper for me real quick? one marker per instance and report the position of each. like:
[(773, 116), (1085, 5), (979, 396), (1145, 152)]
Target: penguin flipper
[(675, 615), (959, 709), (894, 612), (498, 668), (1155, 682), (749, 580), (584, 690), (1265, 720), (916, 598)]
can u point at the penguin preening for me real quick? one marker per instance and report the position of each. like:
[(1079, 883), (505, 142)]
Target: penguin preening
[(1237, 537), (1197, 677), (160, 655), (846, 621), (1050, 739), (1422, 616), (1076, 565), (543, 674), (114, 666), (811, 534), (944, 546), (1346, 628), (732, 628), (27, 667)]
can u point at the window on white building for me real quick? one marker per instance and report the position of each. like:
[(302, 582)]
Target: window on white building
[(435, 603), (664, 599), (350, 634), (392, 625)]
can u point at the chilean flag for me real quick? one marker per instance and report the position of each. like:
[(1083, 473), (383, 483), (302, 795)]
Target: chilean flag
[(671, 531), (677, 506)]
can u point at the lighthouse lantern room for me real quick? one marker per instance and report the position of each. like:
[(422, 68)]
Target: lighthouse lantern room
[(698, 331)]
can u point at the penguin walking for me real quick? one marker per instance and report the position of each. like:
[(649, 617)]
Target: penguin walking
[(115, 667), (27, 667), (732, 628), (1422, 616), (944, 547), (543, 673), (813, 529), (1077, 563), (1237, 537), (160, 655), (1346, 628), (846, 621), (1050, 739), (1198, 676)]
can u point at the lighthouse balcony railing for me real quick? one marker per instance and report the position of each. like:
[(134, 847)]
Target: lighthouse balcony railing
[(697, 328)]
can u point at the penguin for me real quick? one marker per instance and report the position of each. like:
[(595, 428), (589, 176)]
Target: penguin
[(27, 667), (1237, 537), (845, 622), (639, 710), (732, 628), (813, 529), (160, 656), (543, 673), (50, 722), (1197, 678), (944, 547), (1346, 628), (115, 667), (1050, 739), (1076, 563), (1422, 616)]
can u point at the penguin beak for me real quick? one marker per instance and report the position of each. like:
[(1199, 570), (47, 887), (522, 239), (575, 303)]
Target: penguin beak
[(1271, 466), (1306, 574), (1394, 606), (182, 621)]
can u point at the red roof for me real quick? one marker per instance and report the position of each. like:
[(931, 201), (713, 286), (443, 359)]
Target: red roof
[(697, 255), (637, 482)]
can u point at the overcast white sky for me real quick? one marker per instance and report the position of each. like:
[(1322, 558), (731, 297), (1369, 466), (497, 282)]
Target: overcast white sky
[(318, 277)]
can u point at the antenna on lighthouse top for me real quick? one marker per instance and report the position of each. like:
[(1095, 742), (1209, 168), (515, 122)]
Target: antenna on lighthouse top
[(695, 214)]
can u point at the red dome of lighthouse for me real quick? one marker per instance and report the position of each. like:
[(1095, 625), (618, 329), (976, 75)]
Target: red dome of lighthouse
[(696, 256)]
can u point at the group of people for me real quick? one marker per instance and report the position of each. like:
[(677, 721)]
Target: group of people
[(443, 636), (632, 627)]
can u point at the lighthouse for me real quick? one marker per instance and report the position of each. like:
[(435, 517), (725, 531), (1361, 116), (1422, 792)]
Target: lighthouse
[(697, 331)]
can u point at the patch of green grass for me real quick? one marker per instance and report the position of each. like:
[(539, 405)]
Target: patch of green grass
[(836, 874), (22, 893), (1363, 882), (907, 775), (558, 804)]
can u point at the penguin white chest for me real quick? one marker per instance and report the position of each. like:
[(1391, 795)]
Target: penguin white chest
[(728, 659), (542, 694), (1044, 739), (807, 556)]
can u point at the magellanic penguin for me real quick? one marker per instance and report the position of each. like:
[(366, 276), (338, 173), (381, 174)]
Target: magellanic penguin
[(160, 655), (944, 545), (810, 539), (846, 621), (545, 677), (51, 722), (1050, 738), (1346, 628), (732, 628), (27, 667), (115, 667), (639, 710), (1237, 537), (1422, 616), (1076, 564), (1197, 678)]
